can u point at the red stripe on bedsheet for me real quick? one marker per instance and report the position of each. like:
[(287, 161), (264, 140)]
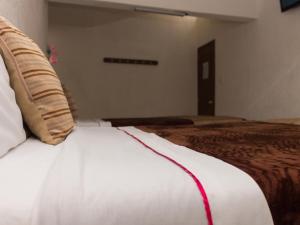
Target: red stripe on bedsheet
[(196, 180)]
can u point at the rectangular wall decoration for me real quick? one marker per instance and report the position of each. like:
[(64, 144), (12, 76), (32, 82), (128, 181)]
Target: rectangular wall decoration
[(287, 4), (144, 62)]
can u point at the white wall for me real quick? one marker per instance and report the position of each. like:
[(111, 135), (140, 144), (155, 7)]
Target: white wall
[(229, 9), (31, 16), (258, 64), (257, 74), (83, 36)]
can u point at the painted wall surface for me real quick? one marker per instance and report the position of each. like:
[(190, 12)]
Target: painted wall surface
[(258, 64), (86, 35), (31, 16), (230, 9)]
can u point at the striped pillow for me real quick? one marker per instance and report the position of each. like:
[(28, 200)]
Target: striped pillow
[(38, 89)]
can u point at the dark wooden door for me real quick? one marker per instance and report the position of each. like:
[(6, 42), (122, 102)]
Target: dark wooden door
[(206, 79)]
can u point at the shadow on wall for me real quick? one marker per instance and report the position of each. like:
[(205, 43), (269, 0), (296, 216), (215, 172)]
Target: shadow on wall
[(85, 16)]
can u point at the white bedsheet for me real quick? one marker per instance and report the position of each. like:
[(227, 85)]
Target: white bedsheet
[(93, 123), (103, 176), (22, 173)]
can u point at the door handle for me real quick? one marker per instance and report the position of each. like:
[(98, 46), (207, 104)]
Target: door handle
[(210, 102)]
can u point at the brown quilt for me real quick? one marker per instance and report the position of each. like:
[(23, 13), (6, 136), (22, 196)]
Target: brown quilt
[(270, 153)]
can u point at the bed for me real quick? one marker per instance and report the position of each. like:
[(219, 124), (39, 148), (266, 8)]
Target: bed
[(172, 120), (295, 121), (125, 176), (251, 169)]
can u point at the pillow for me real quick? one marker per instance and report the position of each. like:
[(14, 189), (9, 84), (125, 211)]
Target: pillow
[(38, 89), (12, 132)]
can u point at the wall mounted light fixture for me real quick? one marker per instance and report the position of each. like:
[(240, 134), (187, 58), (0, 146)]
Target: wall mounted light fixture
[(161, 11)]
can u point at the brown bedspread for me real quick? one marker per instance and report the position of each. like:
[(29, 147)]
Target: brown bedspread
[(270, 153), (158, 121)]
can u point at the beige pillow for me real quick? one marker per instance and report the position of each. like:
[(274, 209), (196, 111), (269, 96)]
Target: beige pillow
[(38, 89)]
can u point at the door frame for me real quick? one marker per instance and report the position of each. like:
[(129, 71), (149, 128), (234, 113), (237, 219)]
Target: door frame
[(213, 44)]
